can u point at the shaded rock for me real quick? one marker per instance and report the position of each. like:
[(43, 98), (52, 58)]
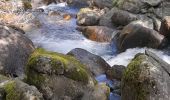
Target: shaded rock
[(87, 17), (103, 3), (115, 72), (59, 76), (156, 23), (136, 6), (94, 63), (145, 79), (79, 3), (14, 89), (38, 3), (165, 27), (105, 19), (97, 33), (135, 35), (121, 17), (15, 49)]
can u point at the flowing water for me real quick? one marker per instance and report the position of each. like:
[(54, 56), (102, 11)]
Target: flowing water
[(59, 35)]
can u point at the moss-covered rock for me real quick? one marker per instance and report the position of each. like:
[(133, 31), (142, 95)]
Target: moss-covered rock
[(145, 79), (14, 89), (59, 76), (58, 63)]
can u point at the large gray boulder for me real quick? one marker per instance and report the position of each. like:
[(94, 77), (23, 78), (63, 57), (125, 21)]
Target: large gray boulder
[(135, 35), (15, 49), (94, 63), (146, 78), (122, 18)]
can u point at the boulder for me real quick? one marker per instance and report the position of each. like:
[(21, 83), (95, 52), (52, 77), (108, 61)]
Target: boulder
[(106, 20), (103, 3), (78, 3), (60, 76), (136, 6), (14, 89), (115, 72), (135, 35), (97, 33), (165, 27), (15, 49), (88, 17), (146, 78), (94, 63), (38, 3), (122, 18)]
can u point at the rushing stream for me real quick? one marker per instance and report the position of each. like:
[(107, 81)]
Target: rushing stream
[(59, 35)]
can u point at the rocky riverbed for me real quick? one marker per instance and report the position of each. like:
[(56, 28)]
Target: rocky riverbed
[(84, 49)]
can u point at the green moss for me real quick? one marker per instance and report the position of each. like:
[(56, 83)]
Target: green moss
[(73, 69), (132, 78), (34, 78), (27, 5), (11, 92)]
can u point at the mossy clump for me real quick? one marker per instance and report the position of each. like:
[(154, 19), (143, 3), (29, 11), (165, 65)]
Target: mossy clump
[(27, 5), (71, 67), (11, 91), (134, 80)]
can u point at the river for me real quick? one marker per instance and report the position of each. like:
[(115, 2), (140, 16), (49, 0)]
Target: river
[(59, 35)]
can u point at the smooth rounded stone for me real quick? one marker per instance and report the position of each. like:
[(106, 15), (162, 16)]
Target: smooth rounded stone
[(146, 78), (165, 27), (135, 35), (88, 17), (103, 3), (115, 72), (94, 63), (59, 76), (122, 18), (15, 49), (15, 89), (97, 33)]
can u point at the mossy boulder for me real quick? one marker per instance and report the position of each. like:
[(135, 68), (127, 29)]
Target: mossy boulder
[(145, 79), (58, 76), (14, 89)]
